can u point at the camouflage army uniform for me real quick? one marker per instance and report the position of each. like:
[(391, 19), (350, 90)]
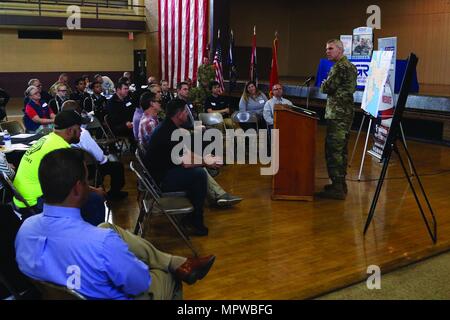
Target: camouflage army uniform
[(339, 86), (205, 74)]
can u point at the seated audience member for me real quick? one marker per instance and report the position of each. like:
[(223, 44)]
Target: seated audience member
[(79, 95), (96, 102), (218, 103), (185, 177), (87, 83), (106, 167), (37, 112), (61, 96), (151, 80), (132, 85), (45, 96), (183, 94), (167, 95), (67, 130), (277, 92), (216, 195), (120, 111), (156, 89), (191, 178), (150, 105), (108, 85), (253, 100), (138, 112), (111, 262), (62, 79)]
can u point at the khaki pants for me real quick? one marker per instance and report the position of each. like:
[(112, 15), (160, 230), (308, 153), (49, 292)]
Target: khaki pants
[(164, 286), (214, 189)]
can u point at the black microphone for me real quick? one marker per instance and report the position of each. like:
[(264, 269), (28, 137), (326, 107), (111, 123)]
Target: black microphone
[(308, 81)]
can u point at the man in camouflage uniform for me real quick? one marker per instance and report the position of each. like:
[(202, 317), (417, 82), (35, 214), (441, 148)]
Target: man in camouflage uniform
[(205, 74), (339, 86)]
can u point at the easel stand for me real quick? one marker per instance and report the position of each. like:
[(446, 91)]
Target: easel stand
[(369, 128), (432, 230)]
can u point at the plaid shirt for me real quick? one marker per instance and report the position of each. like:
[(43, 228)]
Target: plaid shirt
[(146, 127)]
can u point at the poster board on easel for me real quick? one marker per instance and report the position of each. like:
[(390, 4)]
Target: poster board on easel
[(386, 108)]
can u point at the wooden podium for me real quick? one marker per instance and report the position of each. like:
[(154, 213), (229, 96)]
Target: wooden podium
[(297, 149)]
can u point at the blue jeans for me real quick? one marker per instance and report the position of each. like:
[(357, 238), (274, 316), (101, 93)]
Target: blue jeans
[(193, 181)]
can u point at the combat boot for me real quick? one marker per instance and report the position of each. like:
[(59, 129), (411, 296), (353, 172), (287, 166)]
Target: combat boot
[(330, 186), (335, 191)]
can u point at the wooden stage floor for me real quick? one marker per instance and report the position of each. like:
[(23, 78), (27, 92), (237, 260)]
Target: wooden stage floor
[(295, 250)]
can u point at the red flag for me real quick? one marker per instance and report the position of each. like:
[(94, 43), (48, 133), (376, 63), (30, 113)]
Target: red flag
[(274, 69), (253, 73)]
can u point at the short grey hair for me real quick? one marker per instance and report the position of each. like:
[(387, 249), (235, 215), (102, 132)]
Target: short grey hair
[(29, 89), (336, 42)]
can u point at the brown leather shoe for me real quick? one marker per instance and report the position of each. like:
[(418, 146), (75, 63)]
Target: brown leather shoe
[(194, 269)]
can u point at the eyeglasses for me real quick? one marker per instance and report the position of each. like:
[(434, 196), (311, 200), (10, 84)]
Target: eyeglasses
[(62, 90)]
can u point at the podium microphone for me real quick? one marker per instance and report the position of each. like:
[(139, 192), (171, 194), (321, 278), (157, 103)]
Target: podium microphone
[(308, 81)]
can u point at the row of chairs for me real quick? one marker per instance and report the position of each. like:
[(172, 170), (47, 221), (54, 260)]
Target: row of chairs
[(239, 117)]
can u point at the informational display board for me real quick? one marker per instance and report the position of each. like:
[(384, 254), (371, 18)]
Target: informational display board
[(376, 82), (386, 109), (390, 44), (362, 43), (347, 41)]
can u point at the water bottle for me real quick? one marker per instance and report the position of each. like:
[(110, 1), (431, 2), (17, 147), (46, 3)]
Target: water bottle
[(7, 139)]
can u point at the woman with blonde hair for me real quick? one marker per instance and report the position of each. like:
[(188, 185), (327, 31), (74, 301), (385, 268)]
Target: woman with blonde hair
[(37, 112)]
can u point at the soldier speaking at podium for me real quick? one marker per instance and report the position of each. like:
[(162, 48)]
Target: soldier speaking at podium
[(339, 86)]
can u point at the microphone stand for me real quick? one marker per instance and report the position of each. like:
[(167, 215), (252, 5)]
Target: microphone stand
[(307, 95)]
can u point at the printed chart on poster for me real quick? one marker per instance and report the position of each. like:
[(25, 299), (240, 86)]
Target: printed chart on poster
[(376, 82), (386, 109)]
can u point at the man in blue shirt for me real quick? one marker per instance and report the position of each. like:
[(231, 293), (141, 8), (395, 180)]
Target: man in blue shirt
[(58, 246)]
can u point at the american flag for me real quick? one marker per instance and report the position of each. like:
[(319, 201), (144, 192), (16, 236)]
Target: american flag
[(218, 64), (183, 38)]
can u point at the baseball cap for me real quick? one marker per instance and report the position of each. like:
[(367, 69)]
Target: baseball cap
[(67, 118)]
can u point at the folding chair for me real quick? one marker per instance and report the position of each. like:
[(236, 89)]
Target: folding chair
[(51, 291), (172, 207), (13, 127), (246, 120), (121, 141), (6, 182), (139, 156), (108, 143), (91, 162), (213, 119), (248, 117)]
